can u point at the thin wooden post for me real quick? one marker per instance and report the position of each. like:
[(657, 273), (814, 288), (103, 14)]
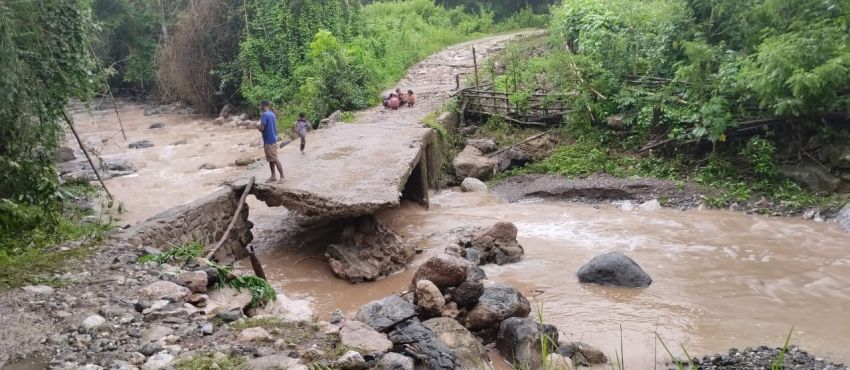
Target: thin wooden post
[(255, 264), (233, 220), (70, 123), (475, 64), (457, 81)]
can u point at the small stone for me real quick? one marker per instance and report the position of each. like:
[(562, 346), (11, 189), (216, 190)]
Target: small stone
[(450, 310), (558, 361), (196, 281), (337, 317), (39, 289), (93, 321), (141, 144), (351, 360), (207, 166), (137, 358), (471, 184), (395, 361), (159, 361), (230, 315), (180, 142), (150, 349), (157, 125), (254, 335), (166, 290), (155, 333), (171, 339), (245, 161), (207, 329)]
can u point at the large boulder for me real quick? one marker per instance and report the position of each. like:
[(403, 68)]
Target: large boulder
[(432, 352), (470, 162), (497, 244), (497, 303), (443, 270), (812, 176), (614, 269), (519, 342), (167, 290), (362, 338), (384, 313), (471, 184), (428, 296), (196, 281), (470, 353)]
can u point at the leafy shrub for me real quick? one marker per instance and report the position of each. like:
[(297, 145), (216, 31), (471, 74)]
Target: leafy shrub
[(177, 252)]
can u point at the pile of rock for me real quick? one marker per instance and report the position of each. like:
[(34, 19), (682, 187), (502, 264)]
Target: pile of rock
[(481, 158), (448, 316), (496, 244), (241, 120), (368, 250)]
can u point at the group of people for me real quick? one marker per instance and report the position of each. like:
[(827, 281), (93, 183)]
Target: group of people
[(268, 127), (398, 99)]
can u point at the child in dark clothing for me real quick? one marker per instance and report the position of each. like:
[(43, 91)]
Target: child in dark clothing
[(301, 127)]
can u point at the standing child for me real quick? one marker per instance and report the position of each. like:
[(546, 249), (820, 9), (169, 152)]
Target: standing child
[(268, 126), (301, 126), (411, 98)]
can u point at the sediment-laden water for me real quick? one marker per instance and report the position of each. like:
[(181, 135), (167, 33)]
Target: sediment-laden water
[(721, 279)]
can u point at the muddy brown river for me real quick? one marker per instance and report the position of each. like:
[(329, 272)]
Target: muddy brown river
[(721, 279)]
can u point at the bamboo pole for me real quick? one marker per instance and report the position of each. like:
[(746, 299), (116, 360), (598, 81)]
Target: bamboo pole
[(475, 64), (88, 157), (233, 220)]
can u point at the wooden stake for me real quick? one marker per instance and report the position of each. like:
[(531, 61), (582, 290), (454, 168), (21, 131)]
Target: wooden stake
[(255, 264), (457, 81), (88, 157), (233, 220), (475, 64)]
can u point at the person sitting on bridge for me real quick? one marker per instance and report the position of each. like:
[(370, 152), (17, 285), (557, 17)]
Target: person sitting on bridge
[(394, 102), (301, 126), (268, 127), (400, 95), (411, 98)]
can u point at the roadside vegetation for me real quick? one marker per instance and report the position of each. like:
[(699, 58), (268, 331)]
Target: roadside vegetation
[(737, 95), (311, 56)]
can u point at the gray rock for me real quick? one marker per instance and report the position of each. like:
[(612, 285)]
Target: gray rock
[(351, 360), (207, 329), (93, 322), (230, 315), (498, 244), (196, 281), (155, 333), (511, 158), (434, 354), (157, 125), (497, 303), (254, 335), (39, 289), (470, 353), (141, 144), (274, 362), (179, 142), (118, 166), (384, 313), (472, 163), (362, 338), (159, 361), (467, 293), (65, 154), (245, 161), (812, 176), (614, 269), (150, 349), (395, 361), (337, 317), (471, 184), (519, 342), (207, 166), (428, 296), (485, 146), (166, 290), (582, 352), (443, 270), (843, 217)]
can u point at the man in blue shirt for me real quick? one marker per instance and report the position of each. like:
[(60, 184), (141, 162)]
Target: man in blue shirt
[(268, 126)]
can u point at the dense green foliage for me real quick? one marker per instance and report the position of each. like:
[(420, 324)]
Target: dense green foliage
[(340, 55), (45, 60), (691, 69)]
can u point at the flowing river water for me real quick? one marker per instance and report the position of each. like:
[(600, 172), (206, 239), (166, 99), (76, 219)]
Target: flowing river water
[(721, 279)]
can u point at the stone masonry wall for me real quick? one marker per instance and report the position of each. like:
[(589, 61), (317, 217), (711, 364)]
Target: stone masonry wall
[(204, 220)]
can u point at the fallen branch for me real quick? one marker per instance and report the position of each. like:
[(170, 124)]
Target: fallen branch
[(233, 220), (88, 157), (491, 155)]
